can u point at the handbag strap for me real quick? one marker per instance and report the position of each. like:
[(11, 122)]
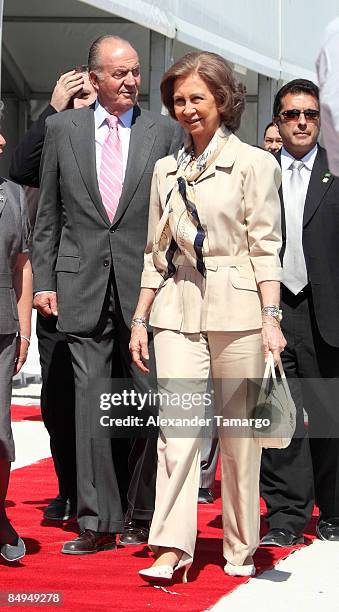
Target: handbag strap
[(270, 367)]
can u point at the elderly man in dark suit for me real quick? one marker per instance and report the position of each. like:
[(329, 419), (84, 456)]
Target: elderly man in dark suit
[(309, 468), (96, 173)]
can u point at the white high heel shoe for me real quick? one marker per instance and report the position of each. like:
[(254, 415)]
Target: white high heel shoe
[(239, 570), (163, 574)]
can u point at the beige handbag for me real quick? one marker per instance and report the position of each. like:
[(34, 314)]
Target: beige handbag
[(276, 409)]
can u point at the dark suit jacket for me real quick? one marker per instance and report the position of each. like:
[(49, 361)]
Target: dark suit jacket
[(77, 260), (321, 246), (25, 163)]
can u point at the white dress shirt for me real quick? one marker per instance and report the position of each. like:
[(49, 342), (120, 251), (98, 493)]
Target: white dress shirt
[(102, 130), (289, 197), (328, 76), (286, 161)]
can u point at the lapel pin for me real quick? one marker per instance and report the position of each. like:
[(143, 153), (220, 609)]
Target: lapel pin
[(326, 177)]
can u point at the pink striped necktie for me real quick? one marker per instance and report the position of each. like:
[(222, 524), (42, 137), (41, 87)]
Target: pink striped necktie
[(111, 172)]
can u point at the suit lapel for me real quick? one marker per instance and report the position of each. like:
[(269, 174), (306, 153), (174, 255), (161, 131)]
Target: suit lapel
[(82, 136), (317, 186), (142, 139), (281, 196), (283, 220), (3, 198)]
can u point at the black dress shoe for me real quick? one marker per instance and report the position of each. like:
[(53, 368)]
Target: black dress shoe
[(205, 496), (60, 509), (135, 532), (281, 538), (90, 542), (328, 529)]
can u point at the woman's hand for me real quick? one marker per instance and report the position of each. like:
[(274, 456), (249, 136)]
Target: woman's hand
[(273, 339), (21, 353), (138, 347), (22, 283)]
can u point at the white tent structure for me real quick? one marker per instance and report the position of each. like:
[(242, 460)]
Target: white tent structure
[(267, 41)]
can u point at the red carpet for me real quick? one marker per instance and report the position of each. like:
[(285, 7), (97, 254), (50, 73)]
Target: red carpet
[(25, 413), (109, 580)]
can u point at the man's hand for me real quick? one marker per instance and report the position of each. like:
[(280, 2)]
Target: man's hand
[(66, 87), (46, 303)]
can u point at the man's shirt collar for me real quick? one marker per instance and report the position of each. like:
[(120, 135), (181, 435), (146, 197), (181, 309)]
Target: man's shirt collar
[(100, 114), (308, 159)]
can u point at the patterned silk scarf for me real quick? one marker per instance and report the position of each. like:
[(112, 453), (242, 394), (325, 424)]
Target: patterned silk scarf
[(180, 227)]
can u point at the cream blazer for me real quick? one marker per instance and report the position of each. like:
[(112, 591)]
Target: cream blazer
[(238, 205)]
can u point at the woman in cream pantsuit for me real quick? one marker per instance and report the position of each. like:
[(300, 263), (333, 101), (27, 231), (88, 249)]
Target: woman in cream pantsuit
[(214, 238)]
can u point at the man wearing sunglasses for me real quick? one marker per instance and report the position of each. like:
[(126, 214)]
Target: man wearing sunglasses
[(307, 471)]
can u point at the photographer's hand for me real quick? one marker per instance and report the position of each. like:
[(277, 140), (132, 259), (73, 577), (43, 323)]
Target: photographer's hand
[(67, 86)]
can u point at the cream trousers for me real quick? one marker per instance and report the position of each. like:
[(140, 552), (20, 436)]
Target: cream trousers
[(231, 357)]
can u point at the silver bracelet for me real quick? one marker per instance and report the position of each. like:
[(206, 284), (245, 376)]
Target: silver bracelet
[(25, 338), (272, 311), (138, 321)]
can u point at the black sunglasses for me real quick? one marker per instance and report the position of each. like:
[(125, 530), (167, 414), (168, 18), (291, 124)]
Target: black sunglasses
[(293, 114)]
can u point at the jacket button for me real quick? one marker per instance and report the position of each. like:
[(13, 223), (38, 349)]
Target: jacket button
[(106, 263), (112, 230)]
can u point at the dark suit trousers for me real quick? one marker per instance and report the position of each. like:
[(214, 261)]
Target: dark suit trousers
[(309, 468), (58, 402), (114, 475)]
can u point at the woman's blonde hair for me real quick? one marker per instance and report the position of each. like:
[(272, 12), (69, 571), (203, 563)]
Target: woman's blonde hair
[(229, 94)]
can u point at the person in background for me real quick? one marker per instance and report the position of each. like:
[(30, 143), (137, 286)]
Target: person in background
[(15, 331), (72, 90), (272, 139), (209, 458), (211, 282), (327, 65)]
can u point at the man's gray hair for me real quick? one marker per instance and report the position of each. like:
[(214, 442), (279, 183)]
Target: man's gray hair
[(94, 63)]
